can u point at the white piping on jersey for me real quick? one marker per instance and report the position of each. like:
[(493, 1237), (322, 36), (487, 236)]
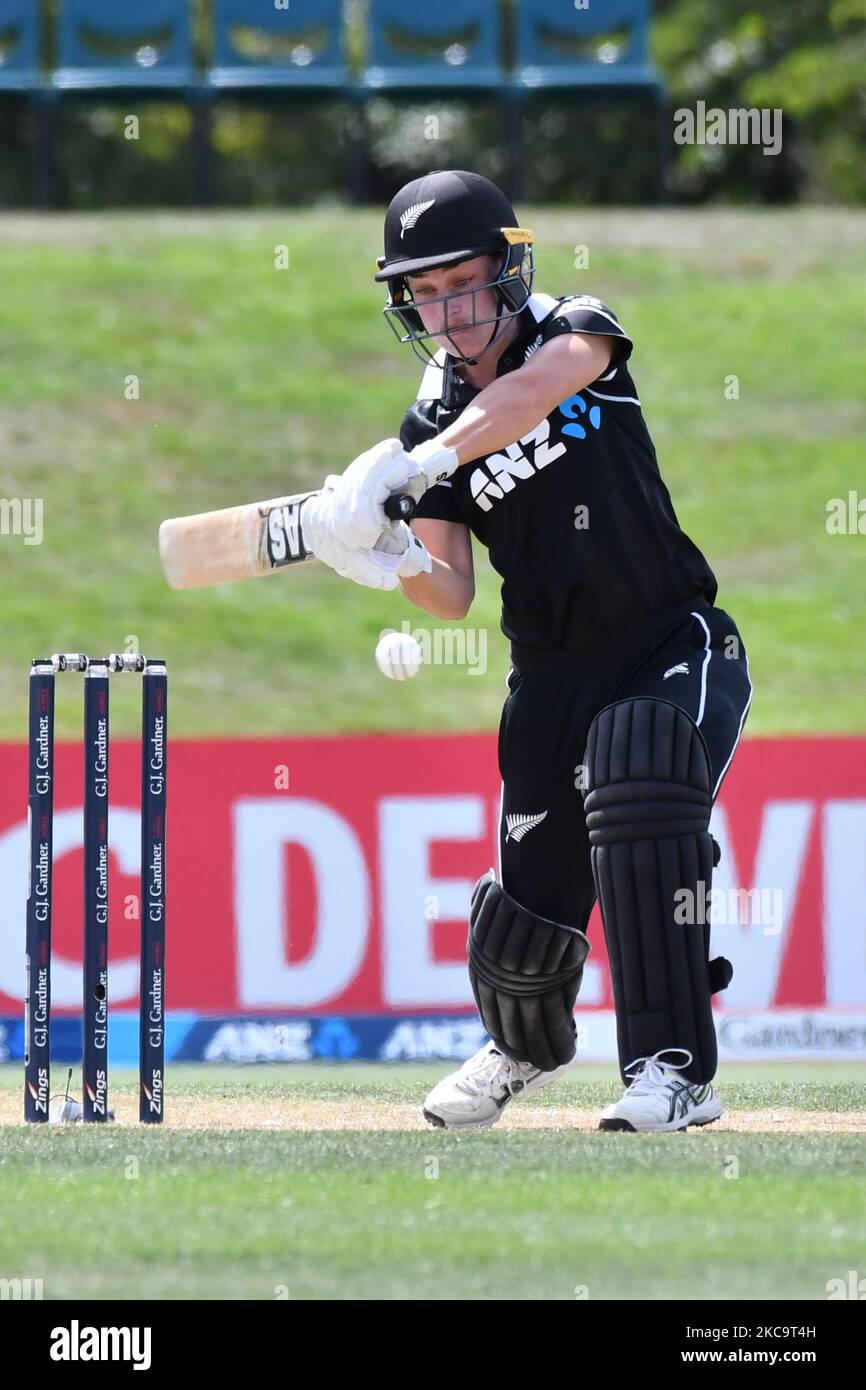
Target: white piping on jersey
[(610, 374), (574, 300), (703, 700), (629, 400)]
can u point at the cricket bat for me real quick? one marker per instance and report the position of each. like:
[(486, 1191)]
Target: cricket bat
[(244, 542)]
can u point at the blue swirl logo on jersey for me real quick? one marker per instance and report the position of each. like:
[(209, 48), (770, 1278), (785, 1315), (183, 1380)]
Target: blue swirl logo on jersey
[(576, 406)]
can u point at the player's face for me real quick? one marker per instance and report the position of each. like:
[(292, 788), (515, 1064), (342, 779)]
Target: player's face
[(457, 282)]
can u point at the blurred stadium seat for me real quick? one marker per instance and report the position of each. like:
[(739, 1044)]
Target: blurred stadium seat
[(257, 46), (452, 44), (141, 44), (601, 52), (19, 46), (561, 46)]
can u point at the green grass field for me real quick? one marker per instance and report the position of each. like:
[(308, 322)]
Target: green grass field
[(254, 381), (321, 1181)]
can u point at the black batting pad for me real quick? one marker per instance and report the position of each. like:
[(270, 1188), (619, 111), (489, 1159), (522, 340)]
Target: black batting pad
[(647, 804), (525, 973)]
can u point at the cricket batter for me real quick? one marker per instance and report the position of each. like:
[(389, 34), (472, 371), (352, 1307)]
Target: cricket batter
[(628, 687)]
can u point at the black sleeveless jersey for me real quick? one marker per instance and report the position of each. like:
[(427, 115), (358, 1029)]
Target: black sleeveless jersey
[(575, 515)]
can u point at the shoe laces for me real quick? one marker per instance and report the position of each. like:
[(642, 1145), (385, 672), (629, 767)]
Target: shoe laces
[(648, 1073), (477, 1080)]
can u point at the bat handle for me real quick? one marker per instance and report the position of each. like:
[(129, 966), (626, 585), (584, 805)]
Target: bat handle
[(399, 506)]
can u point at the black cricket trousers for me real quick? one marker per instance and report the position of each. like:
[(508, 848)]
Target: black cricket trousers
[(693, 657)]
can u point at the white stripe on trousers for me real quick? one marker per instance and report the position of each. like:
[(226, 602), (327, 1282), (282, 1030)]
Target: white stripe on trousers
[(739, 730), (499, 837), (703, 700)]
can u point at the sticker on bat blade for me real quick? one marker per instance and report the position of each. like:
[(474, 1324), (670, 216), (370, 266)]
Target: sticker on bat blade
[(280, 539)]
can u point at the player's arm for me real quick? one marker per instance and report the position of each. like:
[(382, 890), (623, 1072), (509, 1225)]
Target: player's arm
[(448, 590), (513, 405), (503, 412)]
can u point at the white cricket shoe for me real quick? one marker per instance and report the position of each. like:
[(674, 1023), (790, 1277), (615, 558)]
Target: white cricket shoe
[(475, 1096), (64, 1110), (657, 1099)]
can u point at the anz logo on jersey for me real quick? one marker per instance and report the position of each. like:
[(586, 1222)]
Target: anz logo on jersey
[(502, 472)]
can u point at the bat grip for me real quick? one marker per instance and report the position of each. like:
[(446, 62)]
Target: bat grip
[(399, 506)]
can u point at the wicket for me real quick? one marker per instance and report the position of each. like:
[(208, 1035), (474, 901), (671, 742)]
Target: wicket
[(37, 1008)]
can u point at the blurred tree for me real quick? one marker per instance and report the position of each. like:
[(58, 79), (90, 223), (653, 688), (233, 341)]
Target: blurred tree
[(806, 57)]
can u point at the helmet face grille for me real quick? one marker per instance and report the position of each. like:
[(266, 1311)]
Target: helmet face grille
[(512, 287)]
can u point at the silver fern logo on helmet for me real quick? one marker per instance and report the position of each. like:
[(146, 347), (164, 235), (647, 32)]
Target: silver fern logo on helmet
[(411, 215)]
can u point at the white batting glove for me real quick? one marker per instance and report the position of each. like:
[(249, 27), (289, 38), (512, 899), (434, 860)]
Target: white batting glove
[(368, 567), (434, 462), (399, 542), (429, 463), (398, 554), (361, 491), (317, 521)]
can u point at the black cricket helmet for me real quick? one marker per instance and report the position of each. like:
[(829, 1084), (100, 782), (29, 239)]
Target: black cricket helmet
[(447, 216)]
